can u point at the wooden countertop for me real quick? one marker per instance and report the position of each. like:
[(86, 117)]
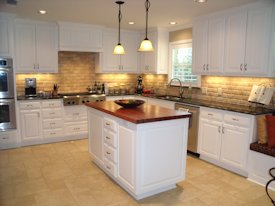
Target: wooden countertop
[(142, 114)]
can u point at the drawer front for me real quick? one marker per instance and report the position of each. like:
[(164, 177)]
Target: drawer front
[(237, 120), (76, 117), (110, 167), (211, 115), (51, 104), (110, 153), (53, 133), (110, 138), (7, 138), (52, 123), (29, 105), (110, 124), (78, 128), (52, 113)]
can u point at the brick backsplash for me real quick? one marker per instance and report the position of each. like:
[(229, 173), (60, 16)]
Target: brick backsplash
[(76, 72)]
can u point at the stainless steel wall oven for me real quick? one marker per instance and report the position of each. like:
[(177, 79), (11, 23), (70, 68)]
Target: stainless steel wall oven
[(7, 102)]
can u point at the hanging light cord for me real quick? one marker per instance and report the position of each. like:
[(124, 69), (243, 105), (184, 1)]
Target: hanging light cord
[(119, 20), (147, 6)]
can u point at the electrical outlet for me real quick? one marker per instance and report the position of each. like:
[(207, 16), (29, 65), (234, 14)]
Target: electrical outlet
[(204, 90), (219, 91)]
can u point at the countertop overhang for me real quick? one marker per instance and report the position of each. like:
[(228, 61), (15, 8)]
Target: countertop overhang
[(143, 114)]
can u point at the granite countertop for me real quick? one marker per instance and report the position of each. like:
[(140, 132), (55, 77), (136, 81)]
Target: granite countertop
[(142, 114)]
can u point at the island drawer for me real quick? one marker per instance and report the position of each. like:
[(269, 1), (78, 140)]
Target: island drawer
[(110, 124), (237, 120), (110, 167), (110, 138), (53, 133), (110, 153), (51, 104), (52, 123), (52, 113), (29, 105)]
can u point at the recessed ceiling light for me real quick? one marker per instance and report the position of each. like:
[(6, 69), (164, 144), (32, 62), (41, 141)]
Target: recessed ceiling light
[(200, 1), (173, 22), (131, 22), (42, 11)]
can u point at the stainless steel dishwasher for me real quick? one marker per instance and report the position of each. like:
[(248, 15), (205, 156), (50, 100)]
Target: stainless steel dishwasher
[(192, 146)]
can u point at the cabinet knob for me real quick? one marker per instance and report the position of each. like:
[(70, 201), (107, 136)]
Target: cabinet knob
[(108, 167), (207, 67), (204, 67), (245, 67), (223, 130), (219, 129), (108, 153), (108, 137), (108, 124), (241, 67)]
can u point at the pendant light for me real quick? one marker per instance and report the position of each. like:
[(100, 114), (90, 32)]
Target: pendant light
[(119, 48), (146, 44)]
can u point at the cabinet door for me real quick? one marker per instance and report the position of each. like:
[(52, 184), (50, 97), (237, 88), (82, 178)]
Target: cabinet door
[(46, 48), (162, 103), (30, 121), (25, 47), (126, 157), (148, 60), (6, 36), (200, 41), (111, 62), (210, 138), (235, 42), (215, 52), (234, 146), (129, 61), (95, 137), (257, 40)]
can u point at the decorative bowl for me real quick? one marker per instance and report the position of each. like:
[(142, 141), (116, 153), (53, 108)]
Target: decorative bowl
[(129, 103)]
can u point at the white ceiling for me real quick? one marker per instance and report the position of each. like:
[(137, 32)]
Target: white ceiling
[(104, 12)]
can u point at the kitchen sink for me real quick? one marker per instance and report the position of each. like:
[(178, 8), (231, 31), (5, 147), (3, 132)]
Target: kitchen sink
[(169, 97)]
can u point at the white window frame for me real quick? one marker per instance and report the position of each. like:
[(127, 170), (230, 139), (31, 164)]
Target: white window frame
[(176, 83)]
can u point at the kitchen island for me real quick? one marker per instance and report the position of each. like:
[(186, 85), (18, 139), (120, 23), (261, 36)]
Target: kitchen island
[(143, 149)]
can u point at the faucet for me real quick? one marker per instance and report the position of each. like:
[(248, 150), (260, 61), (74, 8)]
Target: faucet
[(180, 88)]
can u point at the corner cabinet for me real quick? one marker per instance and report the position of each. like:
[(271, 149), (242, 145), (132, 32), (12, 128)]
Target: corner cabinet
[(224, 138), (6, 35), (155, 62), (36, 47), (112, 63), (208, 45), (248, 38), (80, 37)]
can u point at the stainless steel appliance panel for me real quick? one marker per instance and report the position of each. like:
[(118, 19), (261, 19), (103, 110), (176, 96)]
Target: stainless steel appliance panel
[(6, 78), (192, 145), (7, 114)]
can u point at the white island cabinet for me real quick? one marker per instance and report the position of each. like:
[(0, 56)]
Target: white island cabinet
[(143, 158)]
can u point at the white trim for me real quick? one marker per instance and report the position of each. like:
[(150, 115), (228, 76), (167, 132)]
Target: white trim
[(180, 27)]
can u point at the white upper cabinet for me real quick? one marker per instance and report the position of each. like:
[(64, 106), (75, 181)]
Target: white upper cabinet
[(6, 35), (208, 45), (36, 47), (127, 62), (80, 37), (248, 35), (155, 62)]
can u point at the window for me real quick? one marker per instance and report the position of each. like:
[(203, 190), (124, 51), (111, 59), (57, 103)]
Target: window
[(181, 64)]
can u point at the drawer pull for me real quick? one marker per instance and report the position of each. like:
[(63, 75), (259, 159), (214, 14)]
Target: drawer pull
[(5, 138), (52, 133), (107, 123), (235, 119), (108, 167), (209, 114), (108, 153), (108, 137)]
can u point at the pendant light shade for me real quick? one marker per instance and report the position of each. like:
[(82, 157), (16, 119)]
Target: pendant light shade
[(146, 44), (119, 48)]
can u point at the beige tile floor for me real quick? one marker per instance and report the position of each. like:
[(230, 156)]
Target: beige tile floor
[(62, 174)]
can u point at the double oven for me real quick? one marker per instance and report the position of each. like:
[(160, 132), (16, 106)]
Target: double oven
[(7, 102)]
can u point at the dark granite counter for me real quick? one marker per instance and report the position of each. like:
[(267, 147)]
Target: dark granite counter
[(19, 98)]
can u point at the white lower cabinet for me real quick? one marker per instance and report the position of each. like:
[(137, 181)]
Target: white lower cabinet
[(144, 159), (31, 125), (224, 138)]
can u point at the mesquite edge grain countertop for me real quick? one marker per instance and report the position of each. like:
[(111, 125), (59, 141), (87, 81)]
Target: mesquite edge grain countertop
[(142, 114)]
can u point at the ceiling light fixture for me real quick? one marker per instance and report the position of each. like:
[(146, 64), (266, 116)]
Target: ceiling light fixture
[(119, 48), (146, 44), (200, 1), (42, 11), (173, 22)]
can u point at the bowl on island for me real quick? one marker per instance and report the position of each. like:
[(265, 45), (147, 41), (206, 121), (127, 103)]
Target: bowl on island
[(129, 103)]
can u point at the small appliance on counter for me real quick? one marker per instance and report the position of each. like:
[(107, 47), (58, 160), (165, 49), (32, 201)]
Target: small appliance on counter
[(139, 89), (30, 87)]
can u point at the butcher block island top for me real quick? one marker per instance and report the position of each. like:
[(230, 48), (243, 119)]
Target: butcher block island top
[(142, 114)]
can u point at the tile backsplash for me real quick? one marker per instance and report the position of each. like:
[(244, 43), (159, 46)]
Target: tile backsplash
[(76, 73)]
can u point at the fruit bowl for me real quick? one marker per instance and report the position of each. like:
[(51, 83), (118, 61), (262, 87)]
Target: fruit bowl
[(129, 103)]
